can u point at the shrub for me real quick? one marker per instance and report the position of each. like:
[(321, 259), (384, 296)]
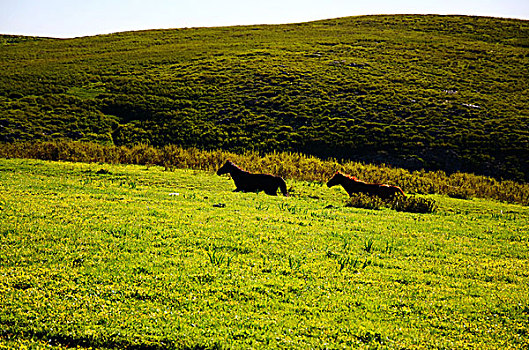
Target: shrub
[(413, 204), (360, 200), (459, 193)]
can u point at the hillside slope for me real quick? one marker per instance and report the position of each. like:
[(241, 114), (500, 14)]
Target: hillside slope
[(435, 92)]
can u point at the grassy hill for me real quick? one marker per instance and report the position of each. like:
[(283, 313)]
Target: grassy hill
[(135, 257), (435, 92)]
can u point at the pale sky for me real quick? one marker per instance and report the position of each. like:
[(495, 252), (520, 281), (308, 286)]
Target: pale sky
[(73, 18)]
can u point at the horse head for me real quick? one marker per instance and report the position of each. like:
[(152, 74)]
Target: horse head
[(336, 179), (226, 168)]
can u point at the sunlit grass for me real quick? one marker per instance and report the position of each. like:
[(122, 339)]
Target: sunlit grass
[(136, 256)]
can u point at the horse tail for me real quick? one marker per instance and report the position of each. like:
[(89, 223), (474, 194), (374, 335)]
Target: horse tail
[(401, 191), (282, 186)]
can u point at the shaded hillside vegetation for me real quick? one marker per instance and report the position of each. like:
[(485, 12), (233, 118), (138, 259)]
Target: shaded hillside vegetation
[(435, 92)]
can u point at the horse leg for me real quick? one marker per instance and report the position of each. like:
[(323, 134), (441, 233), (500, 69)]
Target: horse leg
[(283, 187)]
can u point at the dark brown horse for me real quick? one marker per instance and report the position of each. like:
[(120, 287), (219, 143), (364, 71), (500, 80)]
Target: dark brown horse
[(352, 185), (248, 182)]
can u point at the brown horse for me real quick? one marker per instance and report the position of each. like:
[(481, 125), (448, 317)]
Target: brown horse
[(248, 182), (352, 185)]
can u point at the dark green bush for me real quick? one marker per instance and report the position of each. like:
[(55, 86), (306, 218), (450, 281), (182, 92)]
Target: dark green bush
[(360, 200), (410, 204), (414, 204), (459, 193)]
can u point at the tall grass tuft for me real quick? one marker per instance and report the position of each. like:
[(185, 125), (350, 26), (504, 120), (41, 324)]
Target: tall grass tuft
[(414, 204), (360, 200)]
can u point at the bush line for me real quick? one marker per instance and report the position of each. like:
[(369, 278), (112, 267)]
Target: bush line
[(286, 164)]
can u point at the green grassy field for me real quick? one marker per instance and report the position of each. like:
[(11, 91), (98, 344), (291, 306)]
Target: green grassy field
[(135, 257)]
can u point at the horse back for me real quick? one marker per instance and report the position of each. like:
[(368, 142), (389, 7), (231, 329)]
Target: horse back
[(388, 191), (249, 182), (360, 187)]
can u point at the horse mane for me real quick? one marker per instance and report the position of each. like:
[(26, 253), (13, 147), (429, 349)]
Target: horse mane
[(353, 185), (348, 176), (354, 178), (235, 165)]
